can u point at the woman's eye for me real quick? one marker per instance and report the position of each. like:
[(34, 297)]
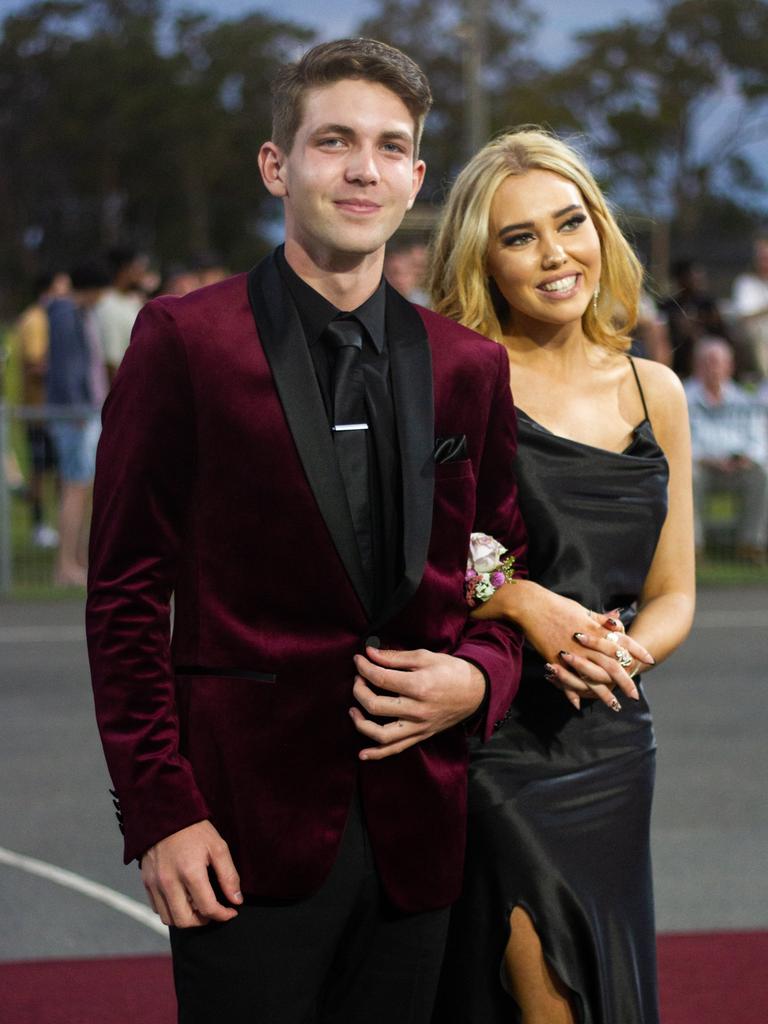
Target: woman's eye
[(573, 222), (517, 240)]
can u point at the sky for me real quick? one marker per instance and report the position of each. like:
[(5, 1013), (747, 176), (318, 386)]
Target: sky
[(335, 18)]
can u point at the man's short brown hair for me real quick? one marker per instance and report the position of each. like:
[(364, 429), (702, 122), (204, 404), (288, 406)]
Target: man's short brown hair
[(327, 63)]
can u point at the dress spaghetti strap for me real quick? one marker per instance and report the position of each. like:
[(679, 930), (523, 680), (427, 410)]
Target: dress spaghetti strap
[(639, 387)]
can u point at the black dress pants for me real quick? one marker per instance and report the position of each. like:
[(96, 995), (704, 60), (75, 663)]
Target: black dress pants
[(342, 956)]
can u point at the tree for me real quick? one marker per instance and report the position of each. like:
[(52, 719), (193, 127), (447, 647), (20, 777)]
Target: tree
[(443, 38), (670, 107), (107, 136)]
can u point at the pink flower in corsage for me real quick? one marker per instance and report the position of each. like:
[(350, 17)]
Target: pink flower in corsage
[(484, 553), (486, 569)]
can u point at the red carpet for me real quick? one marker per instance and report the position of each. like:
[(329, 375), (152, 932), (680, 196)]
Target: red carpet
[(714, 978), (706, 978)]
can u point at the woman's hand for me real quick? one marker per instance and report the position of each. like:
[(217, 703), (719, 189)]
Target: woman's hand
[(581, 657)]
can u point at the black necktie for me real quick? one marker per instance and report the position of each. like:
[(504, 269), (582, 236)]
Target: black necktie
[(344, 338)]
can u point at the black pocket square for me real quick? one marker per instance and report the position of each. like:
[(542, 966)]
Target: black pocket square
[(451, 448)]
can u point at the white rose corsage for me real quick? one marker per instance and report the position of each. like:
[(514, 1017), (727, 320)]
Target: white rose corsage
[(487, 570)]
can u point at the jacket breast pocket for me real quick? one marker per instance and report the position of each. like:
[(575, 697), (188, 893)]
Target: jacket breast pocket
[(453, 470)]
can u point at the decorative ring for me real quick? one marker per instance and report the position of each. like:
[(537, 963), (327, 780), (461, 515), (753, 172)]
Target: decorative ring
[(623, 657), (615, 638)]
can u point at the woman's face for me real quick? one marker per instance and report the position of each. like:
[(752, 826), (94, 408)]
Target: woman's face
[(543, 249)]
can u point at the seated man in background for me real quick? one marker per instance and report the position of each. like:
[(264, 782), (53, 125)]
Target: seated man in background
[(729, 440)]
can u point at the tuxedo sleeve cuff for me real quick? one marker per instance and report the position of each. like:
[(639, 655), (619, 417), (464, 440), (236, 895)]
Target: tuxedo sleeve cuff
[(501, 669)]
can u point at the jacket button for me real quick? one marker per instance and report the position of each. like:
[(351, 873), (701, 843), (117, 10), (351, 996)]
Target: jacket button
[(373, 641)]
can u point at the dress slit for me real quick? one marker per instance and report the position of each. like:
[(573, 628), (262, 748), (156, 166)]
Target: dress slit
[(542, 933)]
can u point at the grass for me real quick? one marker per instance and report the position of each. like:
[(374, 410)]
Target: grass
[(724, 572)]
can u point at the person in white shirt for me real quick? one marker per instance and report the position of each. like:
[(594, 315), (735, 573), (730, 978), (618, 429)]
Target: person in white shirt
[(117, 310), (750, 304), (729, 436)]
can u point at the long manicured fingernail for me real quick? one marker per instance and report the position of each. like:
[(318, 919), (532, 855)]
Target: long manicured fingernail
[(578, 636), (549, 671), (613, 622), (565, 654), (614, 705), (574, 700)]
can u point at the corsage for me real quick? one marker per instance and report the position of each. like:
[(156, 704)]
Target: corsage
[(487, 569)]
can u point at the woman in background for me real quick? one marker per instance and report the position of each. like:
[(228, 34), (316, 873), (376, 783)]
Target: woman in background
[(556, 924)]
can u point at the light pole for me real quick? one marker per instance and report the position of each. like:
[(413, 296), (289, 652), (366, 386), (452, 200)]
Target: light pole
[(476, 116)]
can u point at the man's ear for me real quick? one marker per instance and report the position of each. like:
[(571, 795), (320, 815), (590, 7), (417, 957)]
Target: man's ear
[(419, 170), (272, 167)]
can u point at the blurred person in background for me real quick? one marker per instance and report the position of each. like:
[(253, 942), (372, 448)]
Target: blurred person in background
[(692, 312), (650, 339), (749, 302), (76, 383), (178, 279), (119, 306), (209, 269), (730, 446), (31, 334), (405, 267)]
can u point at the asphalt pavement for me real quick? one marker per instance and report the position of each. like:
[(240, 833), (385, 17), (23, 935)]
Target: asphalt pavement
[(710, 822)]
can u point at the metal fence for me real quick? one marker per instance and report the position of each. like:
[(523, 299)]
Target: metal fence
[(731, 506)]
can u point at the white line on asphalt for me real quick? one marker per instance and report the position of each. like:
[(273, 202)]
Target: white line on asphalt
[(70, 880)]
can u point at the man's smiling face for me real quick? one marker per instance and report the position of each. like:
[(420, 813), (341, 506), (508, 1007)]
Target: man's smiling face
[(351, 173)]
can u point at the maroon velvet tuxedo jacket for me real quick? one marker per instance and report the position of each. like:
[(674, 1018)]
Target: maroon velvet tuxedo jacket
[(217, 483)]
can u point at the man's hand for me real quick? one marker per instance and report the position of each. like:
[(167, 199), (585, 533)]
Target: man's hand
[(175, 875), (426, 693)]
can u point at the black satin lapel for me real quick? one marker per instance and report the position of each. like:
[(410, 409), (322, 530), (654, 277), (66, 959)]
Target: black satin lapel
[(282, 338), (412, 388)]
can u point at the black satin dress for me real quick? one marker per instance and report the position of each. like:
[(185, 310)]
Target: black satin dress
[(560, 799)]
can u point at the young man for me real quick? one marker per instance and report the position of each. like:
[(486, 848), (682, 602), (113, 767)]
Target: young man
[(299, 456)]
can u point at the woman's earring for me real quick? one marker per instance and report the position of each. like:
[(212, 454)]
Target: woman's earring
[(595, 297)]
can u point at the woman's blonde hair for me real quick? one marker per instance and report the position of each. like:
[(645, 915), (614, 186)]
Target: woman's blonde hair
[(459, 283)]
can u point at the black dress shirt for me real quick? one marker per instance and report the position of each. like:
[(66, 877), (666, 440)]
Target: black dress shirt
[(385, 487)]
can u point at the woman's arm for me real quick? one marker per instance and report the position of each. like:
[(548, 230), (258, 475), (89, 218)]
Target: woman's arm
[(551, 622), (668, 598), (557, 627)]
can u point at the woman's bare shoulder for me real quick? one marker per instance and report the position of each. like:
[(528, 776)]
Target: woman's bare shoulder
[(664, 394)]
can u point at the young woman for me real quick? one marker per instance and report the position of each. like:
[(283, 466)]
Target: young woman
[(556, 923)]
